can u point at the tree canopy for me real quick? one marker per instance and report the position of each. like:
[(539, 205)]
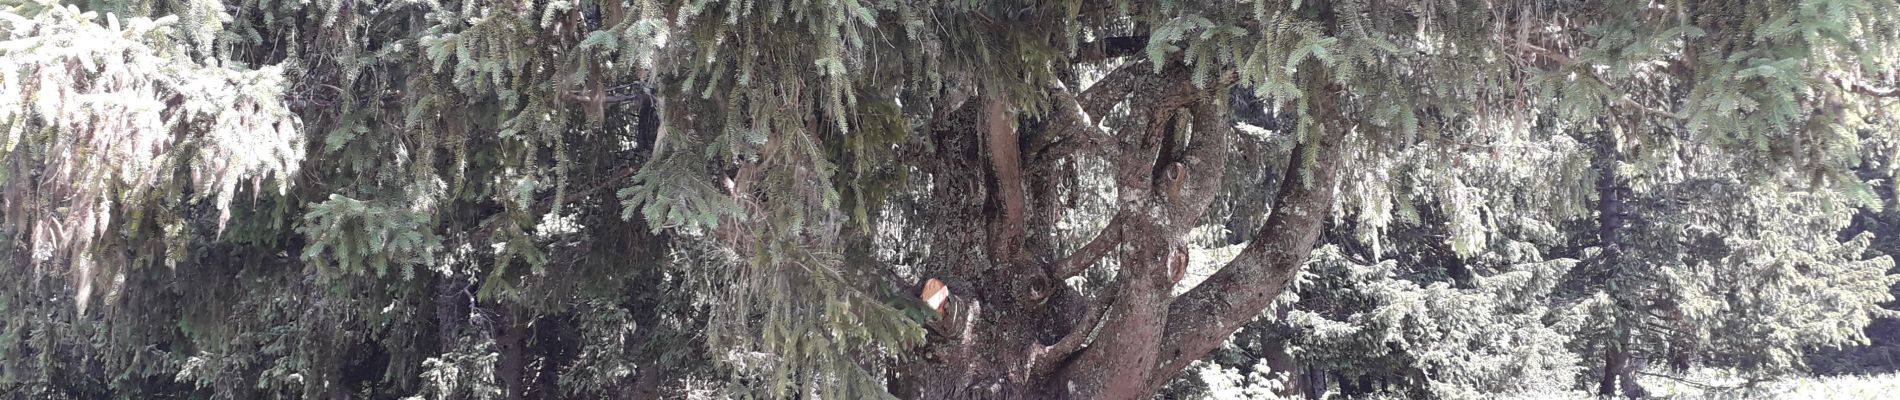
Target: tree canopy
[(473, 199)]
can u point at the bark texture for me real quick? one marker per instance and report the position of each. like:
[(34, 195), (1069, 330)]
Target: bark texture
[(1012, 329), (1618, 370)]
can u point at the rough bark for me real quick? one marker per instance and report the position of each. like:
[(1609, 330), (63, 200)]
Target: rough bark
[(1165, 179), (1199, 320), (511, 366), (1003, 337), (1611, 220), (979, 349), (1292, 376)]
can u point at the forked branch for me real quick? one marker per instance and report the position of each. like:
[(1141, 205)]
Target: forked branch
[(1202, 318)]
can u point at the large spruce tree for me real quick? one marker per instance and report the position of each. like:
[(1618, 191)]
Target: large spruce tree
[(671, 198)]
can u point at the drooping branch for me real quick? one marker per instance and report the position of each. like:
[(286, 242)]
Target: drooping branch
[(1566, 61), (1202, 318)]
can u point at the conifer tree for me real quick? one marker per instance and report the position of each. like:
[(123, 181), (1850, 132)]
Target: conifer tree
[(673, 198)]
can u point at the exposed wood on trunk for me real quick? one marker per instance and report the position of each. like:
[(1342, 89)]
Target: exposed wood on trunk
[(980, 347), (1005, 155)]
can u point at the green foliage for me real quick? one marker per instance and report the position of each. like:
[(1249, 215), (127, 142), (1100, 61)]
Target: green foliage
[(462, 375), (1461, 342), (1750, 279), (352, 237), (668, 193), (591, 198), (116, 117)]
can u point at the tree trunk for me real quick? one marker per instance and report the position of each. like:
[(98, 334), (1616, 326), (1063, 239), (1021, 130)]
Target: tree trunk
[(1613, 360), (1315, 383), (1012, 331), (978, 346), (1284, 367), (511, 365), (1346, 387), (1611, 219), (1631, 388)]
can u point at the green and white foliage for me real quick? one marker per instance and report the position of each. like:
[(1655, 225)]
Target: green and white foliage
[(265, 148), (1726, 274), (663, 198), (369, 239), (127, 131), (1451, 342), (1436, 326), (465, 374)]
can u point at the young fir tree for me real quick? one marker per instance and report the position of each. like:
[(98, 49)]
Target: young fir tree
[(596, 198)]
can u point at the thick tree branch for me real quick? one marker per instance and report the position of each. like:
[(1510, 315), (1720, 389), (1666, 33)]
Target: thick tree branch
[(1118, 362), (1110, 47), (1138, 152), (1072, 128), (1203, 163), (1863, 88), (1085, 257), (1205, 316), (1005, 154), (1045, 359), (1101, 97)]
